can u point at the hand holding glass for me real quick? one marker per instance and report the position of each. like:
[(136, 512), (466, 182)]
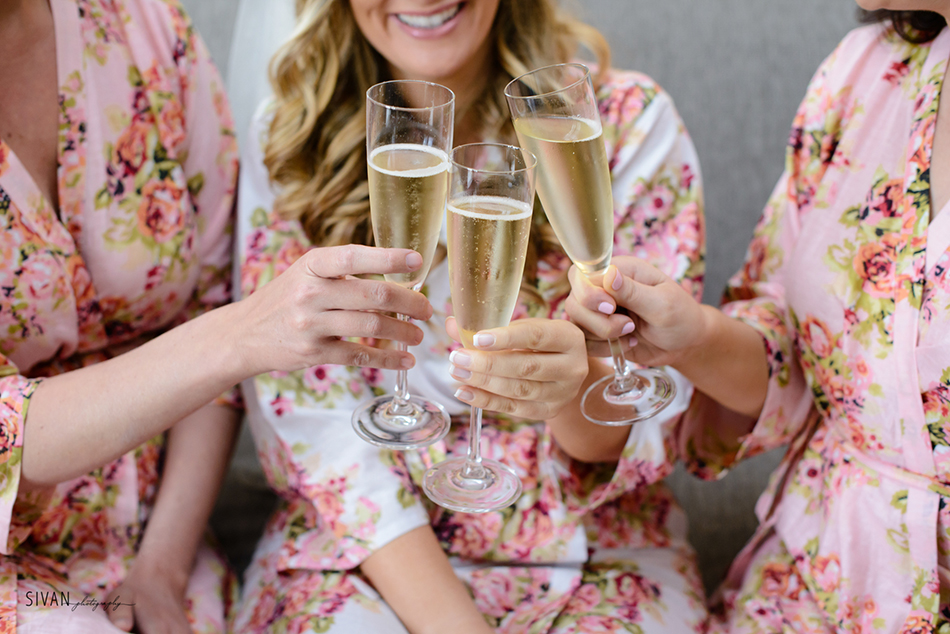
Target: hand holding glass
[(409, 128), (556, 117), (491, 198)]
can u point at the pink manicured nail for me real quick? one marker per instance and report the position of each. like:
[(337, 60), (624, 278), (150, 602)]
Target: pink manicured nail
[(413, 261), (461, 373), (606, 308), (460, 359), (484, 340), (618, 282), (406, 363), (628, 329), (464, 395)]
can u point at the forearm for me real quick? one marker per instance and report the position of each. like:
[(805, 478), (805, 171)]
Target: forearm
[(196, 458), (729, 364), (413, 575), (581, 439), (80, 420)]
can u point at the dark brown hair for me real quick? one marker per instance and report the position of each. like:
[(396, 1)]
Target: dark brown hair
[(916, 27)]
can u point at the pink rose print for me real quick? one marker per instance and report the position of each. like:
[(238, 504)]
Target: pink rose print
[(874, 263), (317, 379), (161, 214), (131, 150)]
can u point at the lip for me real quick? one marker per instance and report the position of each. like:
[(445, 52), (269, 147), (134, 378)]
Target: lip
[(430, 34)]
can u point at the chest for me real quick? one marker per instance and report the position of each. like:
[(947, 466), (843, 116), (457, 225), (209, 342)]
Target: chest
[(29, 108)]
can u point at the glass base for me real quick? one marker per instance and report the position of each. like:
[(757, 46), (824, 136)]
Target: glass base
[(422, 424), (651, 392), (489, 486)]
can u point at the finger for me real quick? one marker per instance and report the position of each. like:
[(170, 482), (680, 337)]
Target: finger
[(356, 259), (635, 269), (354, 354), (515, 389), (589, 295), (596, 325), (348, 323), (534, 410), (357, 294), (122, 616), (452, 329), (544, 335), (529, 365)]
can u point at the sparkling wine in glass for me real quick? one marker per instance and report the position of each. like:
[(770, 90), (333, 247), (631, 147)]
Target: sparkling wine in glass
[(409, 128), (555, 115), (491, 195)]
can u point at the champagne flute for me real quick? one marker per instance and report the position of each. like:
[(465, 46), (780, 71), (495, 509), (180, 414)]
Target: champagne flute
[(555, 116), (409, 127), (491, 195)]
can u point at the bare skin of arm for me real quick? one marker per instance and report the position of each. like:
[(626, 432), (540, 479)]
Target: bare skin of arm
[(196, 458), (294, 322), (406, 572)]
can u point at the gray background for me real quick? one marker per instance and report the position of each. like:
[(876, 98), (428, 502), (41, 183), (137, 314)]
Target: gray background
[(736, 70)]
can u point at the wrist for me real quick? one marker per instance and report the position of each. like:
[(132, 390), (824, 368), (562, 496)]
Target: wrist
[(230, 343), (705, 333), (157, 567)]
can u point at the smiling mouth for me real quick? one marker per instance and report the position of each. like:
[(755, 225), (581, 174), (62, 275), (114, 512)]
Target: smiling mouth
[(433, 21)]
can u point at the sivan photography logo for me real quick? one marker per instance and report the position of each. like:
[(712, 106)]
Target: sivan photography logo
[(34, 598)]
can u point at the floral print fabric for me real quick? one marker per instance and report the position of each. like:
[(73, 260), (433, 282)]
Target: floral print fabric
[(846, 280), (587, 548), (138, 241)]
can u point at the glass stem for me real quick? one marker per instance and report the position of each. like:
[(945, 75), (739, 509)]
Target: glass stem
[(473, 465), (400, 405), (623, 375)]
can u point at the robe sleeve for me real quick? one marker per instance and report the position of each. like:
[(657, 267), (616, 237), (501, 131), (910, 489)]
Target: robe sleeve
[(15, 393), (757, 294), (658, 217), (345, 497)]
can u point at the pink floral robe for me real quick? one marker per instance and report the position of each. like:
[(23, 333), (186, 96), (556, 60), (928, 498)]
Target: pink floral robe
[(586, 548), (147, 169), (847, 282)]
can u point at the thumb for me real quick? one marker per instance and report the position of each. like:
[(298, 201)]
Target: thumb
[(640, 298), (452, 329), (122, 616)]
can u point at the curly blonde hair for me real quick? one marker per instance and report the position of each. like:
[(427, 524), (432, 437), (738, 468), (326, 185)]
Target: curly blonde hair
[(316, 148)]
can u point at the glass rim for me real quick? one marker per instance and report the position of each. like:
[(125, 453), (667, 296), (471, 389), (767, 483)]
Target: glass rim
[(525, 154), (550, 92), (451, 99)]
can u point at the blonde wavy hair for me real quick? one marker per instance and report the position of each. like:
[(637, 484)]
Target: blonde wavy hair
[(316, 147)]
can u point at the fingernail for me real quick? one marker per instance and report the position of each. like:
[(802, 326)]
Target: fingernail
[(464, 395), (606, 308), (633, 342), (460, 359), (406, 363), (618, 281), (413, 260), (461, 373), (627, 329), (484, 340)]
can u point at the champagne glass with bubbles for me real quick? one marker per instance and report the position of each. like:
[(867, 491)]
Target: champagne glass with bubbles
[(409, 127), (555, 116), (491, 196)]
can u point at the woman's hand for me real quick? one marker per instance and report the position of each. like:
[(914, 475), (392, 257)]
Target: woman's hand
[(158, 598), (661, 322), (301, 318), (531, 368)]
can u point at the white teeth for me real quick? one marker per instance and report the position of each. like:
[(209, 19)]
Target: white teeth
[(429, 21)]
